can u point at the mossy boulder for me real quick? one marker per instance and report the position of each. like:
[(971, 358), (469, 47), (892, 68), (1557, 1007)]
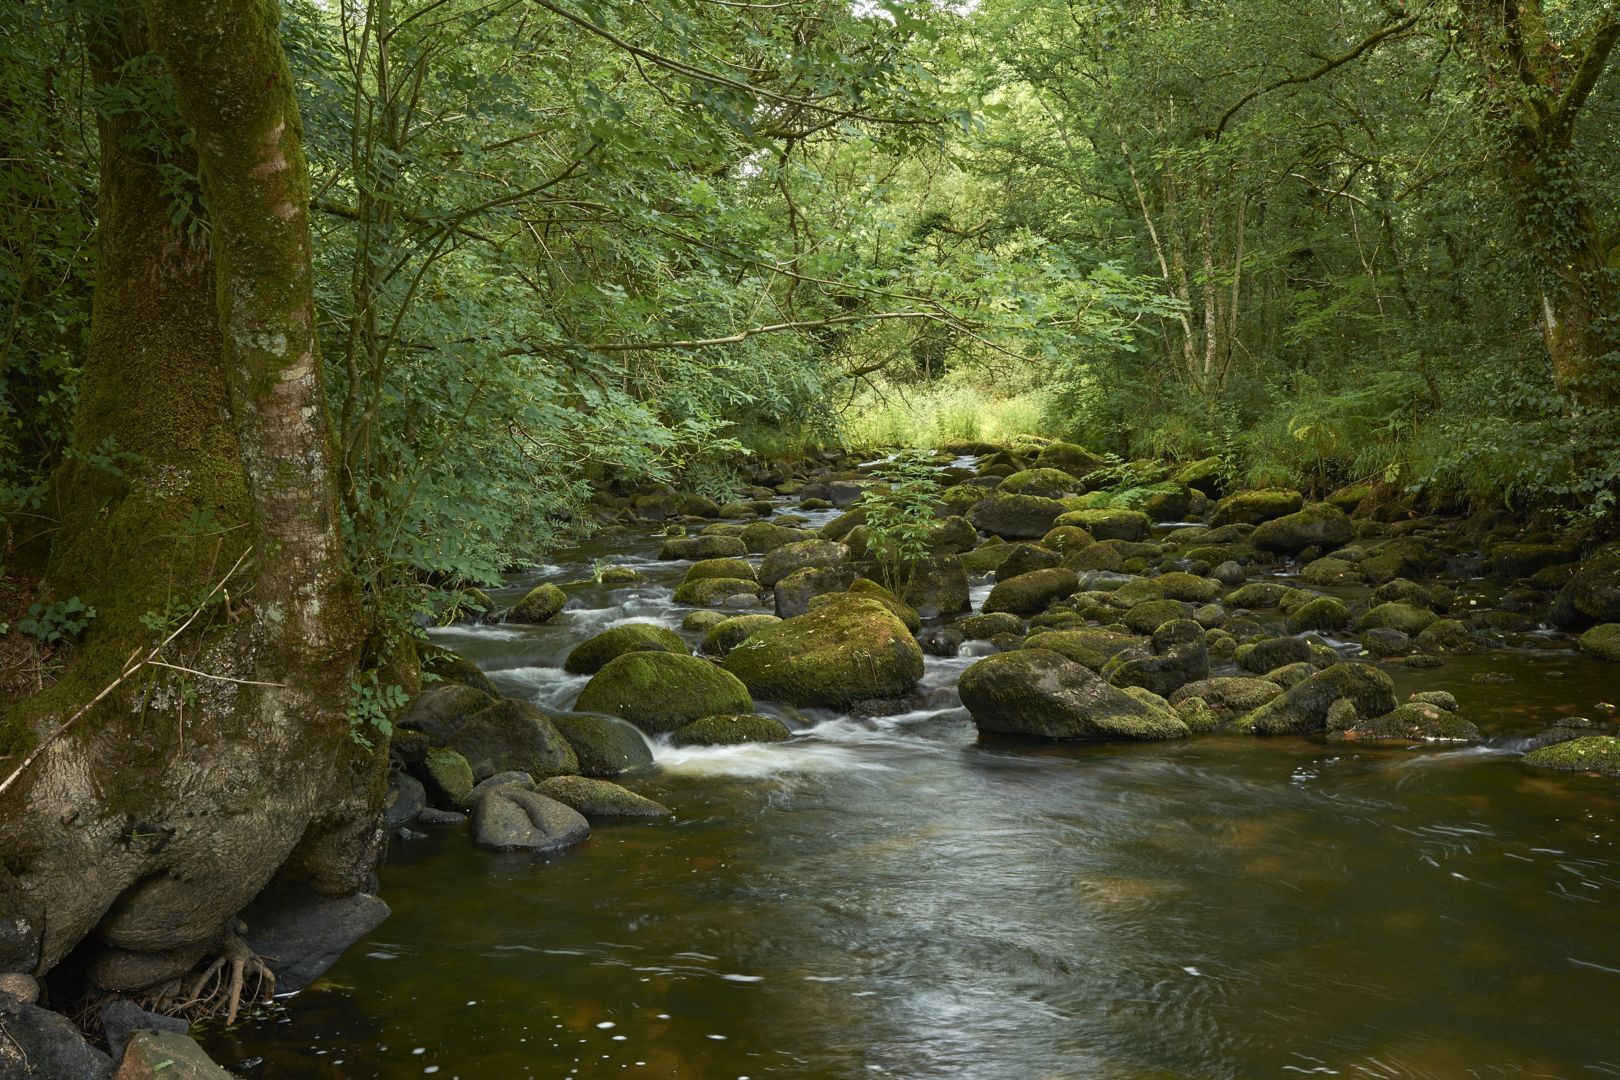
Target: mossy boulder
[(1168, 503), (1592, 594), (1407, 618), (511, 736), (1330, 571), (718, 592), (1175, 585), (1415, 721), (1047, 483), (1037, 692), (804, 555), (1072, 458), (591, 654), (599, 799), (761, 537), (1203, 474), (1092, 646), (984, 627), (660, 692), (1176, 656), (866, 587), (721, 568), (453, 668), (794, 592), (1229, 695), (604, 745), (440, 709), (1024, 559), (1323, 613), (1103, 557), (1256, 507), (952, 536), (1270, 654), (725, 636), (1318, 525), (707, 546), (701, 622), (1520, 559), (1594, 753), (1259, 595), (1064, 539), (986, 558), (1602, 641), (731, 730), (839, 653), (1447, 636), (446, 776), (1148, 616), (961, 498), (1031, 593), (842, 525), (1303, 708), (938, 586), (1109, 523), (540, 604), (1015, 517)]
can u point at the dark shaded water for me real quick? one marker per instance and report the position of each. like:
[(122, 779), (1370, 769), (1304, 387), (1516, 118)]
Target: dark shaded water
[(895, 898)]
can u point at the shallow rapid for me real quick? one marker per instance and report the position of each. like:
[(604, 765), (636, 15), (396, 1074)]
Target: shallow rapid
[(894, 897)]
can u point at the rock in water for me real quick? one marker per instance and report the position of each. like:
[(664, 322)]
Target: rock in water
[(591, 654), (511, 818), (1038, 692), (121, 1019), (731, 731), (1015, 517), (1318, 525), (166, 1055), (300, 934), (604, 745), (660, 692), (1304, 707), (40, 1043), (541, 604), (1029, 594), (849, 649), (600, 799)]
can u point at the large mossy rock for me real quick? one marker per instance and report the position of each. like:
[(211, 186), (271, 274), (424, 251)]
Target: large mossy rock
[(848, 650), (660, 692), (1015, 517), (604, 745), (1304, 707), (761, 537), (707, 546), (1318, 525), (599, 799), (1594, 753), (441, 709), (1072, 458), (511, 736), (731, 730), (794, 592), (1592, 594), (1323, 613), (789, 559), (1092, 646), (938, 586), (591, 654), (1229, 695), (723, 637), (1148, 616), (1602, 641), (1415, 721), (721, 568), (719, 592), (953, 536), (1037, 692), (1255, 507), (1109, 523), (1024, 558), (1203, 474), (540, 604), (1176, 655), (1032, 593), (1407, 618), (1176, 585), (1047, 483)]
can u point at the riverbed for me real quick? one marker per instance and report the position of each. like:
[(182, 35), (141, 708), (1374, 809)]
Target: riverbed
[(896, 897)]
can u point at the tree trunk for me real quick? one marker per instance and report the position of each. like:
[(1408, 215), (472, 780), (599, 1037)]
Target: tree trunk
[(147, 825)]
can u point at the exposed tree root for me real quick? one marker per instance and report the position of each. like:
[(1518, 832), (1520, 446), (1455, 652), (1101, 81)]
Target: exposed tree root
[(234, 977)]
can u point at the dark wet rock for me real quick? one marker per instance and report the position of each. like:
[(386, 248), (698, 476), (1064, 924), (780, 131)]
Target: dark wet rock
[(1273, 653), (40, 1043), (1564, 729), (945, 641), (1592, 594), (512, 818), (698, 548), (1402, 556), (300, 934), (1518, 559), (1097, 557), (1386, 641), (1110, 524), (1229, 572), (984, 627), (1148, 616), (540, 604), (721, 568), (841, 652), (404, 800), (1229, 695), (1323, 613), (1209, 616), (1032, 592), (605, 746), (166, 1055), (1416, 721), (1177, 655), (844, 493), (1447, 636), (725, 636), (731, 730), (938, 586), (953, 536), (1602, 641), (121, 1018), (1593, 753), (600, 799), (1221, 644), (1046, 483), (590, 655), (511, 735), (1025, 559), (1015, 517), (1303, 708), (719, 592), (1405, 591), (434, 816), (1255, 507), (660, 692), (439, 710), (794, 592), (1172, 504), (451, 668), (807, 554), (761, 537), (1041, 693), (1317, 525), (488, 784)]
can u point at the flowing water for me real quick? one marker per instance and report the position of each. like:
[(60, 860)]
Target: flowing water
[(895, 897)]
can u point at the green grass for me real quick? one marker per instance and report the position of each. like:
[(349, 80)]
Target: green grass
[(927, 416)]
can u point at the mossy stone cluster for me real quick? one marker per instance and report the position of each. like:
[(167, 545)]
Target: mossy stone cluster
[(659, 691), (845, 651)]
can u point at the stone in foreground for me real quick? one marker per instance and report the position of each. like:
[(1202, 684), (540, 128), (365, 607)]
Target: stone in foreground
[(1042, 693)]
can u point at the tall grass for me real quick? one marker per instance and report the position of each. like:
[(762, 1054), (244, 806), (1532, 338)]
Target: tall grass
[(946, 411)]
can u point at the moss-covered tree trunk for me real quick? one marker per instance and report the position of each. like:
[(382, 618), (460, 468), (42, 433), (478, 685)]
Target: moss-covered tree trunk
[(136, 835)]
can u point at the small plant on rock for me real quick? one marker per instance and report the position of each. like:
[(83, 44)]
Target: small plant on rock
[(899, 516)]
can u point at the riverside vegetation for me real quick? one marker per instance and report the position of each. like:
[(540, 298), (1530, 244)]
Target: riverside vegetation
[(1032, 366)]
